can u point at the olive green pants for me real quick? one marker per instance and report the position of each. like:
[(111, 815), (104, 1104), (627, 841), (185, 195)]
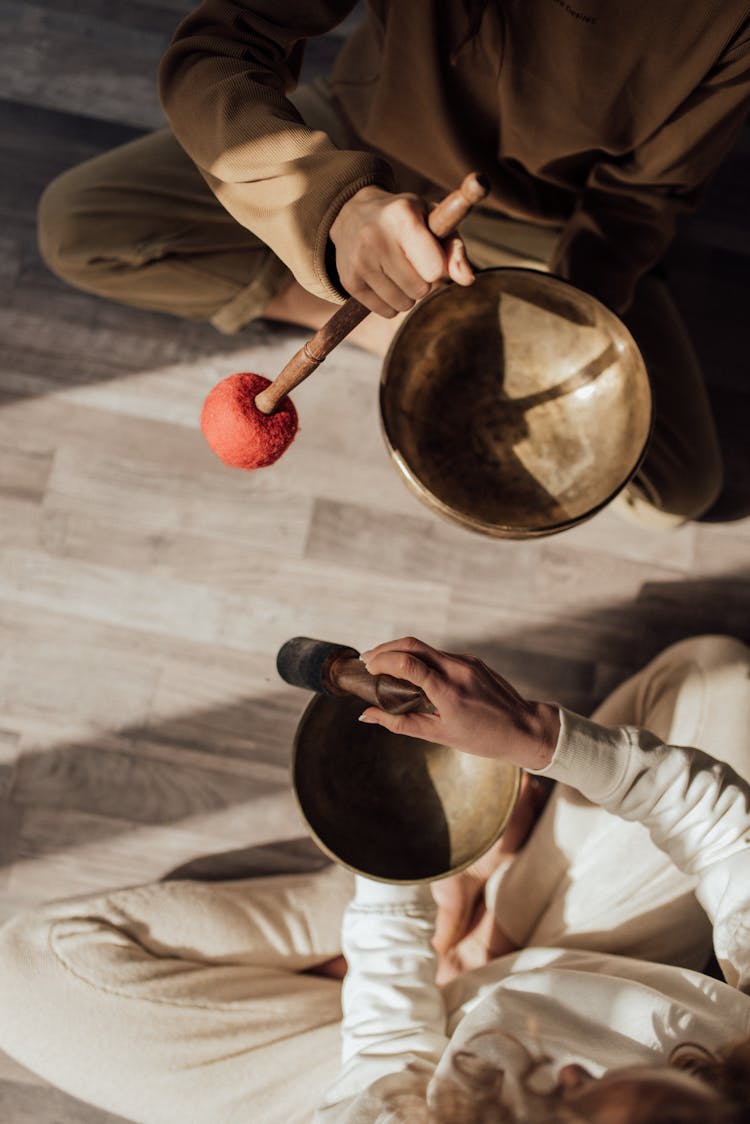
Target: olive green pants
[(140, 226)]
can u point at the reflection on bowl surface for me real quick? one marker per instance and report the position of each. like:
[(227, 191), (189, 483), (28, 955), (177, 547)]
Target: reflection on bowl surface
[(392, 807), (518, 406)]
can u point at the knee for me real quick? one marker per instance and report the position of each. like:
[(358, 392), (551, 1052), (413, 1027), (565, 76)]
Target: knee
[(675, 502), (64, 221), (50, 1012), (711, 653), (23, 944), (704, 485), (696, 492)]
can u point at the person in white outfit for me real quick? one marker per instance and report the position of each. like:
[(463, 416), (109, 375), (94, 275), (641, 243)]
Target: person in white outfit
[(194, 1002)]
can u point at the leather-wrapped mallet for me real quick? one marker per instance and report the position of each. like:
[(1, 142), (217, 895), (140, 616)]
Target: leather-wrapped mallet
[(248, 420), (336, 669)]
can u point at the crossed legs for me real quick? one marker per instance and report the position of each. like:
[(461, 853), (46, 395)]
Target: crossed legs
[(185, 1001)]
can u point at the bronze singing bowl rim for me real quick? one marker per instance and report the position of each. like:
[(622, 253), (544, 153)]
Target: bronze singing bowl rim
[(410, 473), (345, 710)]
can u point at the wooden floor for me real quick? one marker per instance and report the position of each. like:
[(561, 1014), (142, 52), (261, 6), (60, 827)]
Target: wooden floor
[(145, 588)]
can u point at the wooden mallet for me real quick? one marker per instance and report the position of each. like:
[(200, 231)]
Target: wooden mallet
[(336, 669), (248, 420)]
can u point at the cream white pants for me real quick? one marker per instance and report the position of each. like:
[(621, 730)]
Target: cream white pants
[(186, 1001)]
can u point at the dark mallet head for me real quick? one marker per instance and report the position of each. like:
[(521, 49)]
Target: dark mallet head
[(303, 662)]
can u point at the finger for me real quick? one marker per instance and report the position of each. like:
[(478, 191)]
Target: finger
[(403, 644), (448, 969), (459, 269), (405, 665), (407, 220), (424, 252), (390, 292), (370, 299), (407, 725), (401, 271)]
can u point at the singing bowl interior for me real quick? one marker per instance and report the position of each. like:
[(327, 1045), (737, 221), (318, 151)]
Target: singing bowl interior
[(391, 807), (518, 406)]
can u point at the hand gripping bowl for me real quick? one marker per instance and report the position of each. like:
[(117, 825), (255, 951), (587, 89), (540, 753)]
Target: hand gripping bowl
[(516, 407), (395, 808)]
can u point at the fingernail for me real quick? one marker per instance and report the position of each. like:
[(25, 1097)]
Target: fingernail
[(366, 718)]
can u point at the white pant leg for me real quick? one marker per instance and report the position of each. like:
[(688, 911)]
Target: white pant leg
[(181, 1001), (588, 879)]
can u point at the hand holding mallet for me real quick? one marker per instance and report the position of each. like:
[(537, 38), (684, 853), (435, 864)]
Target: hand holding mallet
[(248, 420)]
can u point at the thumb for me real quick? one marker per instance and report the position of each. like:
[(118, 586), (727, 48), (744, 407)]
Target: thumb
[(458, 267)]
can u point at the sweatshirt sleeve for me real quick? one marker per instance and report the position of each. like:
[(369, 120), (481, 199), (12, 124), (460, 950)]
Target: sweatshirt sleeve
[(222, 83), (696, 809), (625, 216), (394, 1022)]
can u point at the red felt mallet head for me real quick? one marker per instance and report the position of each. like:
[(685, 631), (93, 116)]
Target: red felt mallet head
[(238, 431), (247, 420)]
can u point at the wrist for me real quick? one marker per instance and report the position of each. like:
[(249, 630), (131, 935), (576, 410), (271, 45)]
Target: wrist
[(542, 736)]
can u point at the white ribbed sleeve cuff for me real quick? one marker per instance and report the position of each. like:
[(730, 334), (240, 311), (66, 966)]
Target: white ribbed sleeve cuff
[(368, 892), (589, 757)]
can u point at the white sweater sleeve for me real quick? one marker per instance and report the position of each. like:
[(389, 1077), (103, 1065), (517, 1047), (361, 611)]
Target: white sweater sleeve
[(696, 809), (394, 1023)]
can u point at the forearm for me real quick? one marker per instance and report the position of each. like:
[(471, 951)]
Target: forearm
[(696, 809), (393, 1012), (390, 988), (223, 84)]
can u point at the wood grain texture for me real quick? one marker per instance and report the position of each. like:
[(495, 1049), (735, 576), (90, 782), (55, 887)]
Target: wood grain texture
[(145, 587)]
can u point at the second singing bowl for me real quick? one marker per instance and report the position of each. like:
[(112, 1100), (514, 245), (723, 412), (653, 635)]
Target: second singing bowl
[(518, 406), (394, 808)]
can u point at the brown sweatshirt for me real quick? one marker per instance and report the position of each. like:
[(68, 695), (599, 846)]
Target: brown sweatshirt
[(605, 117)]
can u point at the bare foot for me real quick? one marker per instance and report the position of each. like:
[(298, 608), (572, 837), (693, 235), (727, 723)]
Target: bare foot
[(485, 941), (294, 305), (461, 914)]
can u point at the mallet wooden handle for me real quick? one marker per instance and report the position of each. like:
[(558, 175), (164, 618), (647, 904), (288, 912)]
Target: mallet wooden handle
[(442, 221), (336, 669)]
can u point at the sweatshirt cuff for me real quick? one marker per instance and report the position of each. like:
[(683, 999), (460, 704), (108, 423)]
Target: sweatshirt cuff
[(368, 892), (375, 172), (588, 757)]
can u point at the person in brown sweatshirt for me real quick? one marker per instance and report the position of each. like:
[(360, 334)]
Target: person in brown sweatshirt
[(594, 123)]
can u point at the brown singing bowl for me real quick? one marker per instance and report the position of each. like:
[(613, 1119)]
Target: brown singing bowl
[(516, 407), (395, 808)]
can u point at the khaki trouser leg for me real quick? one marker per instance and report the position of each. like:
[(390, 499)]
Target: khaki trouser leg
[(140, 226), (587, 879), (181, 1002), (682, 474)]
